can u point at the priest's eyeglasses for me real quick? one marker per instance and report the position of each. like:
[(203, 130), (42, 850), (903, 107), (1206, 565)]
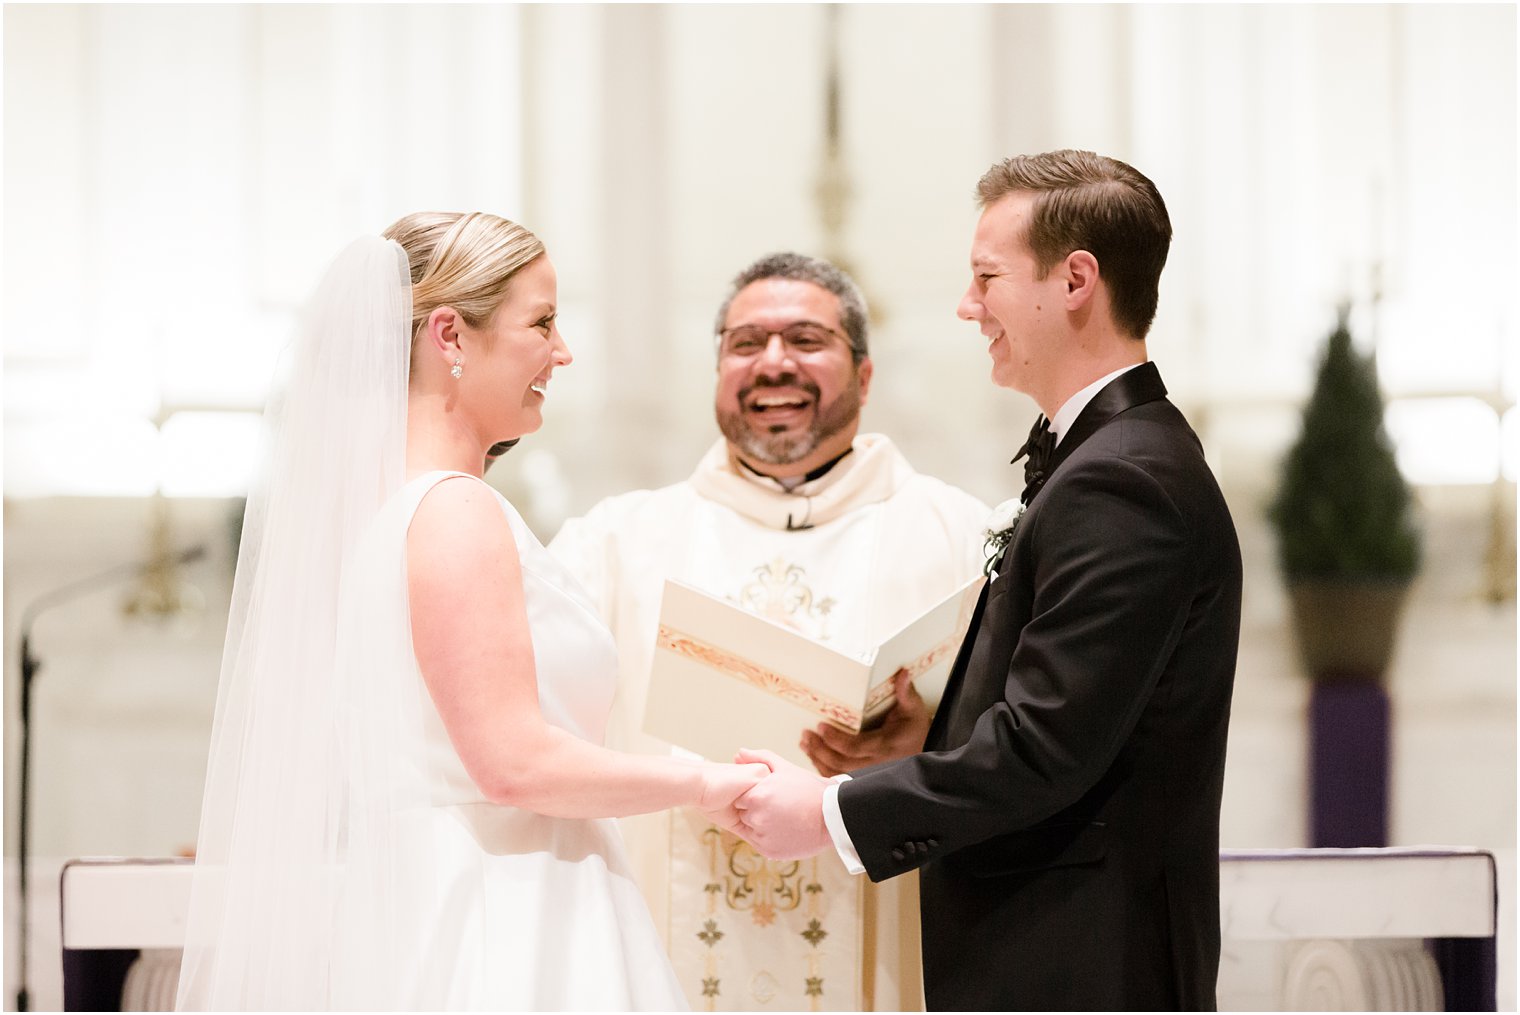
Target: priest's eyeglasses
[(749, 340)]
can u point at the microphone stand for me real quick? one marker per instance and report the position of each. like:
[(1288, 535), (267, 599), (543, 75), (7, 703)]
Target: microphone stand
[(29, 667)]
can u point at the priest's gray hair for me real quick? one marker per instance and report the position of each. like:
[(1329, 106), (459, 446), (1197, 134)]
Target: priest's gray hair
[(853, 314)]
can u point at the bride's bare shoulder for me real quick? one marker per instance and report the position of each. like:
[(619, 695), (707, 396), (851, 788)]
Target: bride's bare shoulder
[(459, 528)]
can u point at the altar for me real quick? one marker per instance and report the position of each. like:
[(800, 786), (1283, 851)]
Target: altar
[(1398, 929), (1390, 929)]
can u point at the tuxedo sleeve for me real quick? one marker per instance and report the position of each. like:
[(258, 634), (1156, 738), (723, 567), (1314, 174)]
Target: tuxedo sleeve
[(1112, 570)]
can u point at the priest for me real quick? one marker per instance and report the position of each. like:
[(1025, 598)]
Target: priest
[(796, 516)]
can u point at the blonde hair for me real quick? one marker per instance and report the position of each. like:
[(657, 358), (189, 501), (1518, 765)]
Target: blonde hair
[(461, 260)]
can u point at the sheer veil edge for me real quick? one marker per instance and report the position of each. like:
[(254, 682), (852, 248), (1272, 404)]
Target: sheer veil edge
[(289, 909)]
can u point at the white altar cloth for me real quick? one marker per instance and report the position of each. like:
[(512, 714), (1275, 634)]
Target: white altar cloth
[(1394, 892), (1279, 909)]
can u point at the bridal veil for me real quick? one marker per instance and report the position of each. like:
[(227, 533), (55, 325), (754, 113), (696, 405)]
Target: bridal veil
[(289, 905)]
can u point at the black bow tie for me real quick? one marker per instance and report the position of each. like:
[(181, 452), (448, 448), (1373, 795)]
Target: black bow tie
[(1037, 450)]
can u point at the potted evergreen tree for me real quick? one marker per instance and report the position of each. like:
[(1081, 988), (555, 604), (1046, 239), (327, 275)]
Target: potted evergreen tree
[(1349, 549), (1344, 516)]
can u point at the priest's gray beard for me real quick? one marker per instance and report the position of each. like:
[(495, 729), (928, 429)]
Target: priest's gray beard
[(786, 448)]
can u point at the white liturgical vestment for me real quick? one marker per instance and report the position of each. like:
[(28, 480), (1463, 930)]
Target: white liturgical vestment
[(848, 559)]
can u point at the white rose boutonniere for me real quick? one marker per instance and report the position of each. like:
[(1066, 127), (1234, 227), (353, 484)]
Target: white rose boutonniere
[(999, 530)]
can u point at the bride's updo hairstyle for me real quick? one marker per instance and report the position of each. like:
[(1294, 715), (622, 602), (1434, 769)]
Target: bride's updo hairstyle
[(460, 260)]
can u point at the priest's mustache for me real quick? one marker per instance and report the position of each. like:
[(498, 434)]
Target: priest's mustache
[(781, 381)]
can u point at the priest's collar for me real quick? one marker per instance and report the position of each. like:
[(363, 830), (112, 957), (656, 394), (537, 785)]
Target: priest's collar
[(791, 483), (871, 475)]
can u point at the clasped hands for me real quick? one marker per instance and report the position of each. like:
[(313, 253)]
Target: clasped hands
[(780, 810)]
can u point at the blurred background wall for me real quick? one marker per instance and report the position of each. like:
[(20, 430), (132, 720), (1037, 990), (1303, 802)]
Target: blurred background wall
[(176, 177)]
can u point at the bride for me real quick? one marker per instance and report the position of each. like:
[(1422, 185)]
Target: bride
[(407, 805)]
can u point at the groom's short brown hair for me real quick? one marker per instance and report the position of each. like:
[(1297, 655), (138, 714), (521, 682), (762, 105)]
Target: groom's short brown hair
[(1094, 203)]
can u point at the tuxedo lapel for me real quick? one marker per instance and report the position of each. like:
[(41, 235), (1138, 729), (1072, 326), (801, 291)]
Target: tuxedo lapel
[(1134, 387), (1129, 389)]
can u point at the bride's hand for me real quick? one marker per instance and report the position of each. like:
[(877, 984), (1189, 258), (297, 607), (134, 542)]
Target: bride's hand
[(722, 785)]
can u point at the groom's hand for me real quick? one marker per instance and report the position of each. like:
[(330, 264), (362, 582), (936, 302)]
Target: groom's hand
[(833, 750), (782, 817), (722, 785)]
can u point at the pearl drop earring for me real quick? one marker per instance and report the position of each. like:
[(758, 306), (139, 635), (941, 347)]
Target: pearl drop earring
[(458, 368)]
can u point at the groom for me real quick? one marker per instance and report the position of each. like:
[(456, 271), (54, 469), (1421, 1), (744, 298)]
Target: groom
[(1065, 814)]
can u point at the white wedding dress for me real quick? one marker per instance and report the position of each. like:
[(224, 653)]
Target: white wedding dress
[(346, 861), (512, 909)]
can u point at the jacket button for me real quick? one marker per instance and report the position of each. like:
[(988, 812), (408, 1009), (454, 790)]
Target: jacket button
[(899, 855), (933, 843)]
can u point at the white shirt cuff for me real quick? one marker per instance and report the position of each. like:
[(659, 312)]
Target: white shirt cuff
[(835, 822)]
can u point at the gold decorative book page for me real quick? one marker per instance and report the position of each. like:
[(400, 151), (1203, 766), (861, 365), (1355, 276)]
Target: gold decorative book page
[(769, 681), (723, 678)]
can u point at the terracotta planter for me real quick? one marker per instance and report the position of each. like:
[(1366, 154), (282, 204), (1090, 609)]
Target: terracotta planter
[(1346, 629)]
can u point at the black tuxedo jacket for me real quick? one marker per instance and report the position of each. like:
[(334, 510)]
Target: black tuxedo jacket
[(1065, 813)]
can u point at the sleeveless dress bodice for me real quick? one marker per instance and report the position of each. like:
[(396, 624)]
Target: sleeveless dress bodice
[(573, 653), (518, 910)]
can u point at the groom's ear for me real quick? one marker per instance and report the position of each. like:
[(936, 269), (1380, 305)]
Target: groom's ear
[(441, 333), (1080, 270)]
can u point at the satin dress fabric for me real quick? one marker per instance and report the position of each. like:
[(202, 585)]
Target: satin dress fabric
[(516, 910)]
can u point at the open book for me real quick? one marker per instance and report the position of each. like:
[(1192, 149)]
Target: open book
[(724, 678)]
